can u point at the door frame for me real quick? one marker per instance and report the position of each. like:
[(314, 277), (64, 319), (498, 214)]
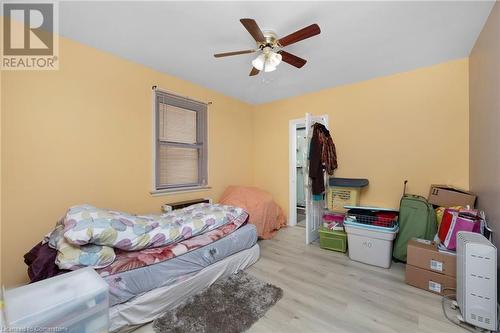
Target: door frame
[(313, 221), (292, 164)]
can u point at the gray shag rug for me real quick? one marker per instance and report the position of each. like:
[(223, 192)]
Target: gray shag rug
[(230, 305)]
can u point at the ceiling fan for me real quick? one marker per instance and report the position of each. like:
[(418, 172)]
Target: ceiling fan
[(270, 47)]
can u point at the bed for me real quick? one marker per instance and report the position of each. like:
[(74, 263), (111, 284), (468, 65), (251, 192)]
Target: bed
[(145, 283), (149, 306), (130, 283), (147, 292)]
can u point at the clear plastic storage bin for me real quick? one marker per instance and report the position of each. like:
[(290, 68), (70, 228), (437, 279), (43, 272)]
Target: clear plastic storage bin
[(72, 302), (370, 237)]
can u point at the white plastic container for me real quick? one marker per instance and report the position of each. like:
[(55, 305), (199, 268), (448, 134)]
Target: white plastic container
[(369, 244), (77, 301)]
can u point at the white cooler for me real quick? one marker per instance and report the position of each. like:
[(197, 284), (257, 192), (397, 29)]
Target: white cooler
[(370, 244), (77, 301)]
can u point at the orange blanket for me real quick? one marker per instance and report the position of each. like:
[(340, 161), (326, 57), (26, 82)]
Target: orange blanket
[(264, 213)]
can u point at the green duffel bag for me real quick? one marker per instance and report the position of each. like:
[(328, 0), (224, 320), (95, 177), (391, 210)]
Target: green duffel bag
[(417, 218)]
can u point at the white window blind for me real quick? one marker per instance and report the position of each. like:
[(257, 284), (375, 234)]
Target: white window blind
[(181, 150)]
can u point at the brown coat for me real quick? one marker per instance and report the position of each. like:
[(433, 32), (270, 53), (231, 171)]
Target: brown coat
[(322, 156)]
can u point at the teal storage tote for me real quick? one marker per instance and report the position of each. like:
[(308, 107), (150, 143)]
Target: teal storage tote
[(332, 240)]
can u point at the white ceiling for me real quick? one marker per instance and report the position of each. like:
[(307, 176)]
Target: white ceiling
[(358, 40)]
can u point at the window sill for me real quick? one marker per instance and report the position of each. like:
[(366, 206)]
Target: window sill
[(171, 191)]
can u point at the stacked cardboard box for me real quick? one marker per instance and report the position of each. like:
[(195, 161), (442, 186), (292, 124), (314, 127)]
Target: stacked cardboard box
[(429, 269), (448, 196)]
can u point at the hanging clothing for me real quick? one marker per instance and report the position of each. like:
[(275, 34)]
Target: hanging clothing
[(315, 165), (322, 156)]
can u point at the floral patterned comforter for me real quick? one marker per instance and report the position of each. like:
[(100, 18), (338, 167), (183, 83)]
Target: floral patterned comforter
[(90, 225), (89, 236), (126, 260)]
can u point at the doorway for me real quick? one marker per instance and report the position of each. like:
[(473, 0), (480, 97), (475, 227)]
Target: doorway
[(301, 160), (297, 190), (303, 211)]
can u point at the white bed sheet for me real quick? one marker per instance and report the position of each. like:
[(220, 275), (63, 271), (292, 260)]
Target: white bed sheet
[(147, 307)]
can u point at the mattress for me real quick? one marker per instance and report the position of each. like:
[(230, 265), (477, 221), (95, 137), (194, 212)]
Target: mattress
[(126, 285), (147, 307)]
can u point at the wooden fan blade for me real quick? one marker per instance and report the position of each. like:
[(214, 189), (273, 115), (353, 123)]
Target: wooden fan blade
[(218, 55), (253, 29), (299, 35), (292, 59), (254, 71)]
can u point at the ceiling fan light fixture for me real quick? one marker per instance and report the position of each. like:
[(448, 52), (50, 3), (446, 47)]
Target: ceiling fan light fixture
[(270, 47), (258, 62), (267, 61), (273, 60)]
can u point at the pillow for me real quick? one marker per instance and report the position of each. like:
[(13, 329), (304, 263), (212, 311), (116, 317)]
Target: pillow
[(72, 257)]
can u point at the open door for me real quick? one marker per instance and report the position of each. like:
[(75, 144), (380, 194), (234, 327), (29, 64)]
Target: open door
[(314, 209)]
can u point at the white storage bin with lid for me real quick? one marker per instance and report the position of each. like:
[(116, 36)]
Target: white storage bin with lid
[(77, 301), (370, 238)]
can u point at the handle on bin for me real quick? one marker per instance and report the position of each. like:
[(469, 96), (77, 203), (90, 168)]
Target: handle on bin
[(404, 188)]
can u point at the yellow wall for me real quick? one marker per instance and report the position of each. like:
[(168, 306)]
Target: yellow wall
[(83, 135), (1, 261), (412, 125)]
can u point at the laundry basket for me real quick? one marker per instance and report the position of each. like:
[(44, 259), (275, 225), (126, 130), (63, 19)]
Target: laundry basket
[(371, 236), (344, 192)]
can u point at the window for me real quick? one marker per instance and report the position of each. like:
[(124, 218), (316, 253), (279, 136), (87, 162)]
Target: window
[(181, 142)]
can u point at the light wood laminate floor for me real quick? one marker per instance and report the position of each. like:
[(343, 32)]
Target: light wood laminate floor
[(324, 291)]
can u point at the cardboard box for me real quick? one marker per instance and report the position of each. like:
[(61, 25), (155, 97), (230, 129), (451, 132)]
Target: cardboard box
[(430, 281), (424, 254), (448, 196)]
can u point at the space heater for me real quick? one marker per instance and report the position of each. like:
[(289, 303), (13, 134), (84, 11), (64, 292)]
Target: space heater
[(477, 280)]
